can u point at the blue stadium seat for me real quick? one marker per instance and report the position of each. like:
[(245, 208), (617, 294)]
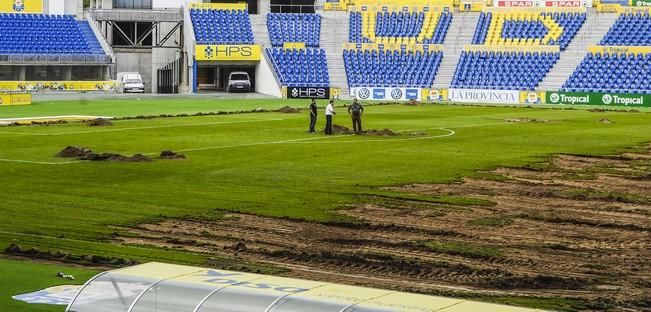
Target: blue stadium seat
[(528, 28), (294, 27), (391, 68), (624, 73), (630, 29), (221, 26), (502, 70), (300, 67), (404, 27), (46, 34)]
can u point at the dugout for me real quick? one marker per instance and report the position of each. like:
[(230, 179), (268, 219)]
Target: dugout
[(158, 287)]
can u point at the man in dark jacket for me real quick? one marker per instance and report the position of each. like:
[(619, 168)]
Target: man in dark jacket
[(313, 114), (355, 111)]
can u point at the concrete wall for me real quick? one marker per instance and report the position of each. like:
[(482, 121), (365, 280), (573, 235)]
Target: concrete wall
[(160, 57), (265, 79), (54, 7), (131, 60)]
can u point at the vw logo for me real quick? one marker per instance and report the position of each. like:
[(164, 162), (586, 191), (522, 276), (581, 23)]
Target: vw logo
[(607, 99), (396, 94), (363, 93), (554, 98)]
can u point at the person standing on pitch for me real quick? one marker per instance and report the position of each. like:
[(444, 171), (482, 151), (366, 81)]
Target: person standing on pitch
[(313, 113), (329, 112), (355, 111)]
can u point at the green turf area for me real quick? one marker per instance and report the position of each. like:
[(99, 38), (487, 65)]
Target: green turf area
[(261, 163), (19, 277), (131, 106)]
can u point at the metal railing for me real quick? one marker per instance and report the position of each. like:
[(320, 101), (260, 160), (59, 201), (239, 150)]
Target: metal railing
[(55, 59)]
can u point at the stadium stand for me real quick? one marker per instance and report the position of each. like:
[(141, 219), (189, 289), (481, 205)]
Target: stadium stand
[(294, 27), (399, 27), (305, 67), (621, 70), (630, 29), (391, 68), (502, 70), (617, 72), (528, 28), (46, 34), (300, 67), (220, 26)]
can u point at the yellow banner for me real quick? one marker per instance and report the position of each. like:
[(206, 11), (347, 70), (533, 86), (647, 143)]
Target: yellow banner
[(634, 9), (385, 46), (471, 6), (404, 8), (609, 7), (219, 6), (511, 48), (619, 49), (57, 85), (448, 3), (532, 97), (227, 52), (435, 95), (339, 5), (21, 6), (294, 45), (15, 99)]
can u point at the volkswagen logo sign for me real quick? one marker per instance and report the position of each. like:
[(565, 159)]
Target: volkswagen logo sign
[(396, 94), (363, 93)]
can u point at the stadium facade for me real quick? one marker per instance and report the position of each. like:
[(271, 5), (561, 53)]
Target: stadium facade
[(529, 51)]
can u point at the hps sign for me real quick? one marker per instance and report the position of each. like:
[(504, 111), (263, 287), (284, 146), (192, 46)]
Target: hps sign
[(227, 52), (596, 98)]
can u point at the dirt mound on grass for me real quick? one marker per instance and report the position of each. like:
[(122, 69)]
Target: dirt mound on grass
[(289, 110), (73, 152), (171, 155), (527, 120), (99, 122), (337, 129), (605, 121), (114, 157)]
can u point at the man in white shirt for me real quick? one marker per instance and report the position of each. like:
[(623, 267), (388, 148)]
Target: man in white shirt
[(329, 112)]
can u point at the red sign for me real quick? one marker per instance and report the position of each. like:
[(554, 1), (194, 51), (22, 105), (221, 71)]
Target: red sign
[(563, 4), (515, 4)]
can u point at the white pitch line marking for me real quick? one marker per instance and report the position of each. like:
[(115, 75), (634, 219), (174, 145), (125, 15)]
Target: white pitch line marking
[(297, 141)]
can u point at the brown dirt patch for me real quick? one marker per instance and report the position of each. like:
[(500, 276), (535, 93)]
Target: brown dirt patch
[(577, 227), (171, 155), (338, 129), (73, 152), (99, 122), (115, 157), (289, 110)]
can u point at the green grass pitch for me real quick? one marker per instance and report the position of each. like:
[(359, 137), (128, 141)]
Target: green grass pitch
[(261, 163)]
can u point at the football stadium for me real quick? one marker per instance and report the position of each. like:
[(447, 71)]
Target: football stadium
[(325, 155)]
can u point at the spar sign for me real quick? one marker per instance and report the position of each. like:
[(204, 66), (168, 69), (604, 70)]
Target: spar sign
[(598, 98), (484, 96)]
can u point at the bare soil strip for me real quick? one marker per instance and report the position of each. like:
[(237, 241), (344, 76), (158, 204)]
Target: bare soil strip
[(577, 227)]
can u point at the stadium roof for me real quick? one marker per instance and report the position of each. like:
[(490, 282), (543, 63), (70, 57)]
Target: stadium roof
[(158, 287)]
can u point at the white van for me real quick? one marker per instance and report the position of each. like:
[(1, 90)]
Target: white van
[(130, 82), (239, 81)]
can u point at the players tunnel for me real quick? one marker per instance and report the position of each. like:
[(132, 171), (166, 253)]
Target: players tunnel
[(225, 77)]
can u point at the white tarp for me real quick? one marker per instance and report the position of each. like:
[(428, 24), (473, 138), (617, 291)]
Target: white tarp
[(386, 94), (484, 96)]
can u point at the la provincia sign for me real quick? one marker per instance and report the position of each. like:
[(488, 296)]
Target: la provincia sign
[(386, 94), (484, 96), (596, 98)]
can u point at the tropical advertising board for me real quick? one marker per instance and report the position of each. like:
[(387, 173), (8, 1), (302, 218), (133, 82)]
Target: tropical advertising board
[(484, 96), (597, 98), (386, 94)]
